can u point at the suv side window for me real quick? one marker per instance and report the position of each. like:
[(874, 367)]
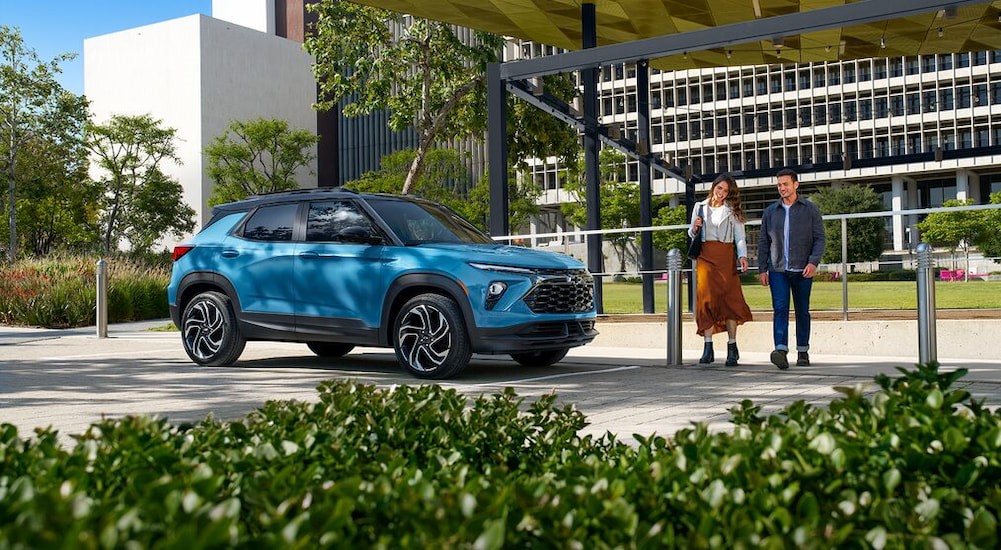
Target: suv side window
[(327, 219), (271, 223)]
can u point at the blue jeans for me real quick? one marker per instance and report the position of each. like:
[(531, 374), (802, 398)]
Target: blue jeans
[(782, 283)]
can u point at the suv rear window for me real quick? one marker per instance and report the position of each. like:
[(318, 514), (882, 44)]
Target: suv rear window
[(271, 223)]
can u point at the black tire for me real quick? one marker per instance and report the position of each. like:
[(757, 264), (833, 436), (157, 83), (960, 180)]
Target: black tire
[(540, 358), (330, 349), (209, 331), (430, 338)]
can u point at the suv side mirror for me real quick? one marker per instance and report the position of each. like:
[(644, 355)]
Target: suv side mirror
[(358, 234)]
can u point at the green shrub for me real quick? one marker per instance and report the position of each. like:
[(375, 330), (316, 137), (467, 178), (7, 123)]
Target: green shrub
[(62, 291), (913, 465)]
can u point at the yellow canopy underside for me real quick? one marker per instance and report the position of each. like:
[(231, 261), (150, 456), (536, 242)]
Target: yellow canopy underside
[(974, 27)]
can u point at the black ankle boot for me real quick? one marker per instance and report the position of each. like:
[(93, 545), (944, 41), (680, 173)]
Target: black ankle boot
[(732, 354), (707, 354)]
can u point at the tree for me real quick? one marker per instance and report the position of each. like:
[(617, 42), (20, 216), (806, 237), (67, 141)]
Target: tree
[(32, 104), (672, 238), (990, 240), (620, 203), (440, 182), (57, 203), (418, 70), (523, 196), (954, 230), (140, 203), (865, 235), (257, 156)]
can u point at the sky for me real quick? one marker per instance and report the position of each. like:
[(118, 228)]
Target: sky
[(55, 27)]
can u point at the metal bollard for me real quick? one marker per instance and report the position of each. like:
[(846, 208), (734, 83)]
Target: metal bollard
[(674, 307), (927, 344), (102, 299)]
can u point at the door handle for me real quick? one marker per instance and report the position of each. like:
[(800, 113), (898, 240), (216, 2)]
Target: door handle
[(230, 253), (308, 255)]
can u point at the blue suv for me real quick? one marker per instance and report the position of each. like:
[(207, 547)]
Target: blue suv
[(336, 269)]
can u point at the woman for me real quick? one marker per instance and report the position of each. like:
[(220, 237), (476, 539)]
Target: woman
[(719, 303)]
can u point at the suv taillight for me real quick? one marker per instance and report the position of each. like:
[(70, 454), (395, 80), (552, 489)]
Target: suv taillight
[(181, 250)]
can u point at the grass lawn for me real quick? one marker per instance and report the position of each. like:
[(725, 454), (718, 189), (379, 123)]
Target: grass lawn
[(628, 297)]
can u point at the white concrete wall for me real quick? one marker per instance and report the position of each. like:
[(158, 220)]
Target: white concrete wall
[(153, 70), (246, 75), (255, 14), (198, 74)]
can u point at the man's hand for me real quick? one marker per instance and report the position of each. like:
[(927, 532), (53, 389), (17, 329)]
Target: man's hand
[(763, 277), (743, 264), (809, 270)]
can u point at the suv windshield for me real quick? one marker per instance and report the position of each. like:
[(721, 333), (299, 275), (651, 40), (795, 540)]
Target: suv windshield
[(419, 222)]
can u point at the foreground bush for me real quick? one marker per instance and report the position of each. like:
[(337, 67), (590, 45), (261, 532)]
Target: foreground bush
[(62, 292), (915, 465)]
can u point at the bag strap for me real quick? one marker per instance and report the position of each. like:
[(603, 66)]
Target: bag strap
[(702, 228)]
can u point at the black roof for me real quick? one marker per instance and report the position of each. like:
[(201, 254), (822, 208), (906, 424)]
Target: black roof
[(301, 194)]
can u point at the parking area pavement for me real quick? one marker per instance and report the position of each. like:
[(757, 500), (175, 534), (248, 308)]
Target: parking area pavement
[(69, 379)]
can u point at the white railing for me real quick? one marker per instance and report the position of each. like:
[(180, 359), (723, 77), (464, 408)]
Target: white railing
[(579, 236)]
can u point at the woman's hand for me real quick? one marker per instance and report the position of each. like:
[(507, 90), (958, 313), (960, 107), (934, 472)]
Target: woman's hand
[(743, 264), (696, 224)]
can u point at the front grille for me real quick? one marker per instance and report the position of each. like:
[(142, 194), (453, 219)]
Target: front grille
[(562, 292)]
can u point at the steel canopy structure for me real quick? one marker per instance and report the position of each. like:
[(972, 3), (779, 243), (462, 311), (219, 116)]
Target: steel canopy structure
[(687, 34), (965, 26)]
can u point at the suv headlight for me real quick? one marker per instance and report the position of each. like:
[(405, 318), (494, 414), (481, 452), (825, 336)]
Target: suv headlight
[(496, 289)]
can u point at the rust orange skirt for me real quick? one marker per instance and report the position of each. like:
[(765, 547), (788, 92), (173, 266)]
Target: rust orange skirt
[(719, 296)]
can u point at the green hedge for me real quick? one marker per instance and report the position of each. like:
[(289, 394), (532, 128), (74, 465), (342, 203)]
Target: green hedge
[(913, 465), (62, 292)]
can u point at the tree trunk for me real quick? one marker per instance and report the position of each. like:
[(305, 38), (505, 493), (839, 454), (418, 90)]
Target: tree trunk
[(417, 166)]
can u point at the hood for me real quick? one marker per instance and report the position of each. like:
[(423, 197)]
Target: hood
[(502, 254)]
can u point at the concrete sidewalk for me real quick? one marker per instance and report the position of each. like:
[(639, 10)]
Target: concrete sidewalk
[(621, 382)]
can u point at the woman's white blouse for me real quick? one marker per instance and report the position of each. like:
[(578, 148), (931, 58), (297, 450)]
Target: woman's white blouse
[(721, 225)]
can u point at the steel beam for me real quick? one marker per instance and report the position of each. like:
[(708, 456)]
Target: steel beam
[(846, 15)]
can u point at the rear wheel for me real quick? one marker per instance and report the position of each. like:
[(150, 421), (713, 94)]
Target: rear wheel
[(209, 330), (540, 358), (330, 349), (429, 337)]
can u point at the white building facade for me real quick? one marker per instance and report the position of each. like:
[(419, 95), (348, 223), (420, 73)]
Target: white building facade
[(918, 130), (198, 74)]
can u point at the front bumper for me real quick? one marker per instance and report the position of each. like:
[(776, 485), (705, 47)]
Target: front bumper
[(537, 336)]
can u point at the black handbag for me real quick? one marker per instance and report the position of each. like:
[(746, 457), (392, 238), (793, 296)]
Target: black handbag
[(695, 247)]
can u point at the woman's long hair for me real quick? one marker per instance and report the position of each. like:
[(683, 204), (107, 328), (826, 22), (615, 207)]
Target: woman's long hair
[(733, 198)]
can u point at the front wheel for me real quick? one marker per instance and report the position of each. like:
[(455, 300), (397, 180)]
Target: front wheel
[(209, 330), (540, 358), (430, 338)]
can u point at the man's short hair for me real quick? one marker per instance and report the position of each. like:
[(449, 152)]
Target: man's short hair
[(787, 172)]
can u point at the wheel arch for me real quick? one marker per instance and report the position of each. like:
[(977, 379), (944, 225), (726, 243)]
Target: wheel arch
[(414, 284), (196, 282)]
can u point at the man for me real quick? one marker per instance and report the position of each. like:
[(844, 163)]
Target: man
[(789, 249)]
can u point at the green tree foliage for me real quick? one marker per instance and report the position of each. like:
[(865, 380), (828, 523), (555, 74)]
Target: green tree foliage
[(57, 202), (990, 241), (418, 70), (523, 195), (534, 134), (620, 202), (440, 182), (141, 204), (865, 235), (957, 231), (257, 156), (671, 238), (426, 78), (32, 106)]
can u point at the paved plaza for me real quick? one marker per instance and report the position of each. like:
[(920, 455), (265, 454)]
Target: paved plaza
[(68, 379)]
